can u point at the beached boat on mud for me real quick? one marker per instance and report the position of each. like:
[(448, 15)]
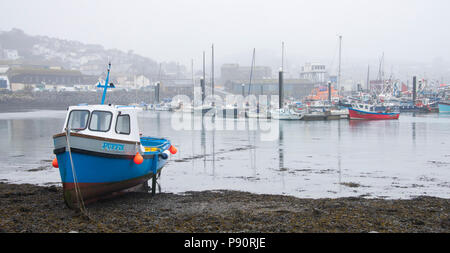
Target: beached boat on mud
[(100, 152), (367, 111)]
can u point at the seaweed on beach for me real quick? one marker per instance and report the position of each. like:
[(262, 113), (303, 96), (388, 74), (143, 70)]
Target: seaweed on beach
[(30, 208)]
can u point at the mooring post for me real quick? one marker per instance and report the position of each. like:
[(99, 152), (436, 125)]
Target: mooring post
[(329, 92), (157, 87)]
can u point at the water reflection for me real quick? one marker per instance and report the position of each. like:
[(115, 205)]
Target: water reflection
[(252, 150), (280, 147), (203, 143), (213, 150), (339, 156)]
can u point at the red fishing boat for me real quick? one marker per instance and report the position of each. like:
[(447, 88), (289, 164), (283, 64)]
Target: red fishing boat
[(366, 111)]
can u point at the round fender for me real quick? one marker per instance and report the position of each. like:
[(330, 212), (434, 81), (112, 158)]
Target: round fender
[(165, 154)]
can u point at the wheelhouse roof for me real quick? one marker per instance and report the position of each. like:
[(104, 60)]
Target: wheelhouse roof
[(109, 107)]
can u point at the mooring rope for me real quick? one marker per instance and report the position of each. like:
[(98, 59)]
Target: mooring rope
[(79, 197)]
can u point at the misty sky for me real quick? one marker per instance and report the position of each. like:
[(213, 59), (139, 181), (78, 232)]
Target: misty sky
[(177, 30)]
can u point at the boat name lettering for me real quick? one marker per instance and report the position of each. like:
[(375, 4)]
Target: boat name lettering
[(112, 146)]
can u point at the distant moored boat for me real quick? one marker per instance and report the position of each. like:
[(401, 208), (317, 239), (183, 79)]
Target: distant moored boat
[(366, 111), (444, 107)]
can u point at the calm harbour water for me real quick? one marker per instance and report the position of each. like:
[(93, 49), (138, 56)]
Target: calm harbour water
[(317, 159)]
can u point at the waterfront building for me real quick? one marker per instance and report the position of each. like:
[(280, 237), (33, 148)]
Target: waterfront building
[(46, 78), (314, 72), (171, 87), (297, 88), (233, 72)]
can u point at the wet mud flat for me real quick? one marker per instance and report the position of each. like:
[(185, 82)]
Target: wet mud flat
[(40, 209)]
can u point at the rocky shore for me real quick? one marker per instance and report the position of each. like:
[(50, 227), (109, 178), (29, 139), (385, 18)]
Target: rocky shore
[(30, 208)]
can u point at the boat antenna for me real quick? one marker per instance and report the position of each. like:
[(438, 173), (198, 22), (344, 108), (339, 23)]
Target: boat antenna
[(106, 86)]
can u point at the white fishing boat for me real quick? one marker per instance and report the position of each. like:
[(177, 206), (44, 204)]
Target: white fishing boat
[(285, 114), (229, 111), (342, 113), (258, 115), (161, 107), (204, 109), (187, 108)]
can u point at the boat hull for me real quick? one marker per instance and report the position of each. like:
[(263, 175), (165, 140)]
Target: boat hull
[(357, 114), (92, 192), (286, 116), (444, 107), (283, 114), (256, 115), (100, 173)]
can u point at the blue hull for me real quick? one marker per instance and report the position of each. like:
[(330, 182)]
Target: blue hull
[(97, 169), (99, 177), (444, 108)]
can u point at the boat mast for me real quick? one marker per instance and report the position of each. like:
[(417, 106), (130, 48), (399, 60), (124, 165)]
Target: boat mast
[(212, 70), (251, 71), (105, 86), (282, 56), (381, 71), (339, 69), (368, 81), (204, 66), (193, 80), (203, 81)]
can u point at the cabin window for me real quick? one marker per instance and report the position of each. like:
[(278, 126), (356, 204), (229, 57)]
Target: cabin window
[(78, 119), (123, 124), (100, 121)]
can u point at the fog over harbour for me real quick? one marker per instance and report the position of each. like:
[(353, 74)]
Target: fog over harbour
[(410, 33)]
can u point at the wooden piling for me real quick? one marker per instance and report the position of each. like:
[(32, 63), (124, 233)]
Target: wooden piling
[(157, 90)]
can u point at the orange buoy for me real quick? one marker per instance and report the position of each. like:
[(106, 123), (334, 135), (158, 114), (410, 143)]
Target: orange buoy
[(55, 163), (138, 159), (173, 150)]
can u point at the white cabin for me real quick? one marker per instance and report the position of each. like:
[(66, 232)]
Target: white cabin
[(364, 107), (107, 121)]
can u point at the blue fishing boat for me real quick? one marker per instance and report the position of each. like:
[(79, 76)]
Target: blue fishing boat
[(100, 152), (444, 107)]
